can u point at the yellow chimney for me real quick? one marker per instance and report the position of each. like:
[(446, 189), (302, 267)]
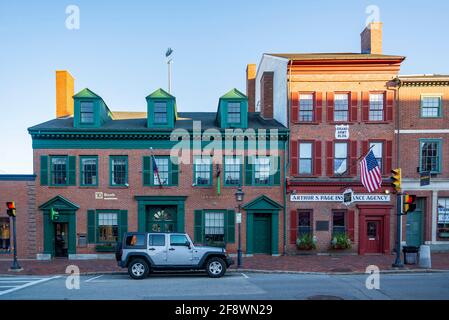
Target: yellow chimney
[(65, 90)]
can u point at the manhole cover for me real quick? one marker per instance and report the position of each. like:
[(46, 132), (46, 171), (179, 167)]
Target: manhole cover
[(324, 297)]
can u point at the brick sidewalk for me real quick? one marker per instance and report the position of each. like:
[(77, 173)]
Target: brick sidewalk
[(312, 263)]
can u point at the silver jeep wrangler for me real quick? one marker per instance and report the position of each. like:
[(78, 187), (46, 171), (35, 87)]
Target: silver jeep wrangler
[(143, 252)]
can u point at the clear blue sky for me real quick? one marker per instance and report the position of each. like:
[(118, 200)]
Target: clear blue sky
[(118, 52)]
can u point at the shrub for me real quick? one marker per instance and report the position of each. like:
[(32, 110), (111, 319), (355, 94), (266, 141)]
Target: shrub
[(306, 242), (341, 241)]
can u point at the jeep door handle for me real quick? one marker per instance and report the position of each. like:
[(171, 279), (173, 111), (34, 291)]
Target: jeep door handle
[(171, 249), (152, 249)]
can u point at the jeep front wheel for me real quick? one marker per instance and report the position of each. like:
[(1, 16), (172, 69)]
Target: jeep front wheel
[(138, 269), (215, 267)]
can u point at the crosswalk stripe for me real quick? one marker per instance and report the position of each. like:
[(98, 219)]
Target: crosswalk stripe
[(30, 283)]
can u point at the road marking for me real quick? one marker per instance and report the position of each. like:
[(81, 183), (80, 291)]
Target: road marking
[(245, 276), (29, 284), (89, 280), (7, 286)]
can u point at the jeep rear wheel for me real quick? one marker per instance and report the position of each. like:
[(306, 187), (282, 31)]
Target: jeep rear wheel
[(138, 269), (215, 267)]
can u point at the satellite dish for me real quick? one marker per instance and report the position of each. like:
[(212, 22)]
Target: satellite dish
[(169, 52)]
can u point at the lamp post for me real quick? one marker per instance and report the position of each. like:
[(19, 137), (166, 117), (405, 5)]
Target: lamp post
[(239, 198)]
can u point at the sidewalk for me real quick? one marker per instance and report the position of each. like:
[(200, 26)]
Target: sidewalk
[(308, 264)]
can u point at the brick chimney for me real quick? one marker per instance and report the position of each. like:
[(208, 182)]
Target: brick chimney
[(65, 90), (251, 87), (266, 95), (371, 38)]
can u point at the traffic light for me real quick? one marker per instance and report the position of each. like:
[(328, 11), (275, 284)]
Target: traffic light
[(11, 211), (54, 215), (409, 203), (396, 179)]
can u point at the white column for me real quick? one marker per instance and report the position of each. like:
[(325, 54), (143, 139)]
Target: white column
[(434, 215)]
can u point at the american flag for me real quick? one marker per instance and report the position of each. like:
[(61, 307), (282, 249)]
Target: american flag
[(370, 172), (156, 171)]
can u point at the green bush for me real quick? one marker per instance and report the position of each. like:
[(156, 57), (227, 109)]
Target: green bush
[(341, 241), (306, 242)]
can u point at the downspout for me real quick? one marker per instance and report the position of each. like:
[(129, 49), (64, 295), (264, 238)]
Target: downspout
[(287, 156)]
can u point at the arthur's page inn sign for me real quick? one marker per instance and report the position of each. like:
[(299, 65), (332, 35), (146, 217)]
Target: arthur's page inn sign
[(339, 197)]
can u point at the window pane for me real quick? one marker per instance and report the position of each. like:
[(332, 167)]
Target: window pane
[(160, 112), (162, 169), (178, 240), (234, 112), (87, 112), (376, 107), (119, 174), (203, 171), (341, 150), (340, 158), (135, 240), (341, 107), (59, 170), (157, 240), (430, 106), (305, 150), (232, 170), (377, 148), (89, 171), (214, 226), (304, 223), (107, 227), (430, 156), (305, 158), (306, 107), (262, 170)]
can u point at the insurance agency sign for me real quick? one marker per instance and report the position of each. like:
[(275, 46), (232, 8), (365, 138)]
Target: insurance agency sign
[(339, 197)]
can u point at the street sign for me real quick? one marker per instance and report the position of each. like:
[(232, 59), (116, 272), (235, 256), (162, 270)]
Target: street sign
[(424, 178), (348, 197), (238, 217)]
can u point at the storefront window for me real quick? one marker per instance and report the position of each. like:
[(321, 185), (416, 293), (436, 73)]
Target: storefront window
[(214, 227), (108, 227), (161, 219), (304, 223), (443, 219), (338, 222), (5, 233)]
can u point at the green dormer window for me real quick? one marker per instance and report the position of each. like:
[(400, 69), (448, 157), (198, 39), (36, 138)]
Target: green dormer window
[(87, 112), (234, 113), (160, 112), (233, 110), (161, 108)]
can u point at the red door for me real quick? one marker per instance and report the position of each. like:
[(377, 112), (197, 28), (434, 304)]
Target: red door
[(374, 236)]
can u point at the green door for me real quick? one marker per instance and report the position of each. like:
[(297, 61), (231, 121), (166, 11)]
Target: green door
[(414, 226), (262, 233)]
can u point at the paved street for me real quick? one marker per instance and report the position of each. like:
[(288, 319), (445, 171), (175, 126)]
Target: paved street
[(233, 286)]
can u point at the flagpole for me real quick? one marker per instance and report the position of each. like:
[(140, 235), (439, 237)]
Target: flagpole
[(153, 160), (361, 157)]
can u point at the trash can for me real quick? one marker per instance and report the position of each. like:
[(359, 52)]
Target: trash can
[(410, 254)]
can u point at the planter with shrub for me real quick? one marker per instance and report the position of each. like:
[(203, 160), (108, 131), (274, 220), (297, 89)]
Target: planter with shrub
[(306, 242), (341, 241)]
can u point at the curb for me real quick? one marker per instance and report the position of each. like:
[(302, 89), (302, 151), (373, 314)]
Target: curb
[(409, 271)]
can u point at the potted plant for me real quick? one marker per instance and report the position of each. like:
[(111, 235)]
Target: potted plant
[(306, 242), (341, 241)]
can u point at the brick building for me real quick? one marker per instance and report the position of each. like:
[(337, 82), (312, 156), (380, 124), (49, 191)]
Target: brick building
[(423, 148), (96, 168), (20, 189), (337, 106)]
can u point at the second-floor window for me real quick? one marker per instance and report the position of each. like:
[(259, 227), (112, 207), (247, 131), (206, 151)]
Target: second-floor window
[(376, 107), (305, 158), (160, 112), (340, 158), (341, 109), (119, 170), (203, 171), (160, 176), (262, 170), (89, 171), (377, 148), (306, 102), (87, 112), (430, 156), (234, 112), (59, 168), (232, 170), (430, 107)]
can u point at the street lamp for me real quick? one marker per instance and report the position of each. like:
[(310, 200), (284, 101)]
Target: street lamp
[(239, 195)]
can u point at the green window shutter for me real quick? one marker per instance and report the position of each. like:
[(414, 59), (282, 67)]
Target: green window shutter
[(277, 175), (198, 236), (91, 225), (44, 171), (230, 236), (72, 171), (146, 171), (248, 172), (123, 227), (174, 173)]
